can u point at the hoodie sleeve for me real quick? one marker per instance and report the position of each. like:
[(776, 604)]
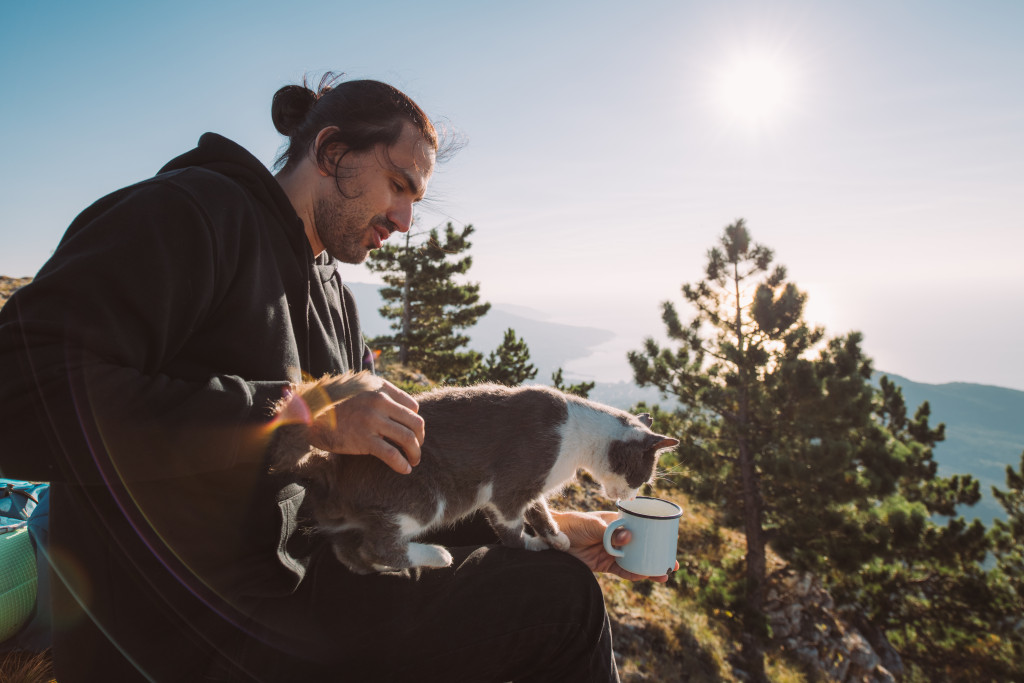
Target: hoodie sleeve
[(85, 347)]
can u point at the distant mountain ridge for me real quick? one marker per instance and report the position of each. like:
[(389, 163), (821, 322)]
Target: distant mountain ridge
[(984, 433), (551, 344)]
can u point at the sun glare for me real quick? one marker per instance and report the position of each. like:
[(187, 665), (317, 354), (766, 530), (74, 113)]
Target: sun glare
[(755, 90)]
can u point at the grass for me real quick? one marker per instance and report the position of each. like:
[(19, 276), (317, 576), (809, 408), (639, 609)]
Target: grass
[(660, 633), (8, 285)]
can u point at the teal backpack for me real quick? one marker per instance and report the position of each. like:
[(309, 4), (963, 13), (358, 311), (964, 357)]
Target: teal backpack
[(24, 571)]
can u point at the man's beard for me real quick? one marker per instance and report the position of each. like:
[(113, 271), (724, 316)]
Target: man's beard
[(341, 230)]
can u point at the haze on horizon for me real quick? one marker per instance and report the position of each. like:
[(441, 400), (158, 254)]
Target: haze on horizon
[(877, 147)]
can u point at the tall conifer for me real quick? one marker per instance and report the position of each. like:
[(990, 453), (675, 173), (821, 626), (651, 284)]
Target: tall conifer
[(784, 429), (427, 304), (509, 364)]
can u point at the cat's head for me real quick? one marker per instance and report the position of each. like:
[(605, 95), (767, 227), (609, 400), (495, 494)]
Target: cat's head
[(632, 459)]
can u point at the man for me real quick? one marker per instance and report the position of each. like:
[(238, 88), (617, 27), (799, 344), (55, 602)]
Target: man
[(139, 370)]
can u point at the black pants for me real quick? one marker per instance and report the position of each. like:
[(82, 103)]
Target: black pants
[(497, 614)]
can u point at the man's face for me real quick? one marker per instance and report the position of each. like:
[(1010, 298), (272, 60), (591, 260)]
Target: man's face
[(377, 191)]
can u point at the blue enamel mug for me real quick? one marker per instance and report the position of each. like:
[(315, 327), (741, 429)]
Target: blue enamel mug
[(654, 525)]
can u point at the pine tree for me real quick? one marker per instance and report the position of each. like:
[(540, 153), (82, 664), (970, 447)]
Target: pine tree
[(509, 364), (921, 580), (581, 389), (741, 369), (427, 305), (1008, 536), (785, 431), (1008, 549)]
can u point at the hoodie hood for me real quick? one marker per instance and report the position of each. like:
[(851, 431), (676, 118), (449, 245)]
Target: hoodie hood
[(218, 154)]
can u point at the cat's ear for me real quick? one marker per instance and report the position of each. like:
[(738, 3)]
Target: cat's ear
[(658, 442), (646, 419)]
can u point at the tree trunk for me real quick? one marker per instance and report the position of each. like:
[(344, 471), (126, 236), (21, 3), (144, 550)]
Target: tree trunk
[(753, 654), (403, 348)]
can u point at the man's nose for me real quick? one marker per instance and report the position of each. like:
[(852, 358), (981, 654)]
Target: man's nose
[(401, 216)]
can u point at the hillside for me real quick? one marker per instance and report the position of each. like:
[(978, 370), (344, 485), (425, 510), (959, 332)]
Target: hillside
[(8, 285), (662, 634), (984, 433)]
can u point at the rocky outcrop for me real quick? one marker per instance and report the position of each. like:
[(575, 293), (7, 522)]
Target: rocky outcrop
[(806, 622)]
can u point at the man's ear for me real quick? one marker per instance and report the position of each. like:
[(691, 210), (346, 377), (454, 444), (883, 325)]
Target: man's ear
[(327, 161)]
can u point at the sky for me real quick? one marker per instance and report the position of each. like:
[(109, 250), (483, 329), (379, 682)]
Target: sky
[(876, 146)]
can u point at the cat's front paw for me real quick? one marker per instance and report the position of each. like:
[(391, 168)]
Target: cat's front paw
[(535, 543), (559, 541), (424, 555)]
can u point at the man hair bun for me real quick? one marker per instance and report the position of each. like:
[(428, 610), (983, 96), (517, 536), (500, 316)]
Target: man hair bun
[(290, 106)]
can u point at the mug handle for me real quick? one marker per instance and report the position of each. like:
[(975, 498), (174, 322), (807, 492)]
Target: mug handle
[(612, 550)]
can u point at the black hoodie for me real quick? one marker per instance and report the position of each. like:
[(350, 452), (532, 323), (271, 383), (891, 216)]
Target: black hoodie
[(139, 367)]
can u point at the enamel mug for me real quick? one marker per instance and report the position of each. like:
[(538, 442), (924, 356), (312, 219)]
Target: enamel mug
[(654, 524)]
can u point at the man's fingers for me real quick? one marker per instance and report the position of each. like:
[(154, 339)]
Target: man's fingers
[(399, 396), (621, 537), (403, 440), (405, 429), (391, 456), (404, 413), (367, 422)]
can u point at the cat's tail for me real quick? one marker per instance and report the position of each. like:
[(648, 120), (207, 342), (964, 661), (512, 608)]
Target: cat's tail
[(301, 405)]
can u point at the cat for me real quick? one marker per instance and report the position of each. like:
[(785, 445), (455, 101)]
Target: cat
[(489, 448)]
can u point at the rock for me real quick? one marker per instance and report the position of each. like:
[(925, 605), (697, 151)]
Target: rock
[(805, 622)]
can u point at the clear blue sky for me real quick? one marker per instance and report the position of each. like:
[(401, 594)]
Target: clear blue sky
[(877, 146)]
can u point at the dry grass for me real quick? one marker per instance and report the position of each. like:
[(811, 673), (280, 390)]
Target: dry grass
[(8, 285), (660, 634)]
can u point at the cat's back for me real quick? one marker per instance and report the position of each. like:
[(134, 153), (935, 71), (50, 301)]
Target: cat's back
[(493, 418), (485, 404)]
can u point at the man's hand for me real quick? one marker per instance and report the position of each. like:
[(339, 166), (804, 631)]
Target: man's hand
[(380, 423), (586, 533)]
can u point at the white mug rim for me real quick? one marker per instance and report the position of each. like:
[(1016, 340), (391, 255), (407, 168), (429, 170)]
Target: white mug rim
[(677, 515)]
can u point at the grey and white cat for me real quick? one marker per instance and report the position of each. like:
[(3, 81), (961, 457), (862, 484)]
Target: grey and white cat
[(488, 448)]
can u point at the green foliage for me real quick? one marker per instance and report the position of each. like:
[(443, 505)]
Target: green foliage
[(718, 588), (582, 389), (924, 582), (427, 305), (1008, 549), (762, 415), (509, 364), (783, 431), (1008, 536)]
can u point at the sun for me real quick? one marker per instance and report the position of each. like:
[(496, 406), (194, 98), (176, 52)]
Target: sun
[(755, 90)]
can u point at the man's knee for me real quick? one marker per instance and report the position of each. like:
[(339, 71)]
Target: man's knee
[(567, 586)]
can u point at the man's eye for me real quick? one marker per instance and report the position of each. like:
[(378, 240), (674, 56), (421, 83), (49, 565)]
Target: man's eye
[(398, 186)]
